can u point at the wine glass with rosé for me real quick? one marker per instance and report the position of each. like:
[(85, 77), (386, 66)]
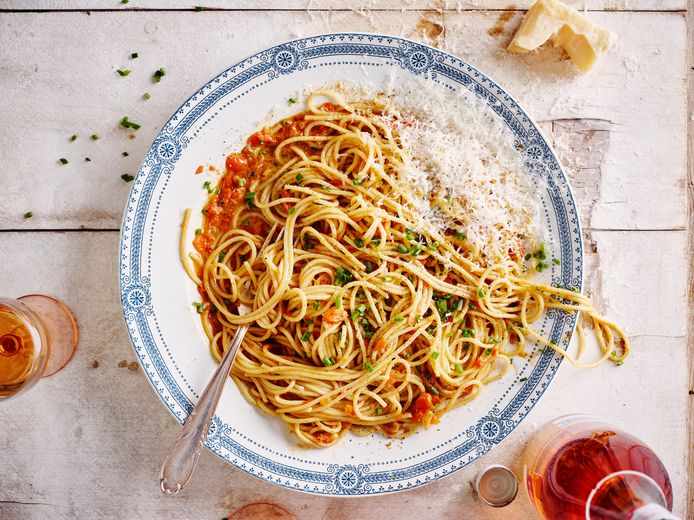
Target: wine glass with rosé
[(38, 337)]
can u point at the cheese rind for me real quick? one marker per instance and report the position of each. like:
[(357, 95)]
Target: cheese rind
[(551, 20)]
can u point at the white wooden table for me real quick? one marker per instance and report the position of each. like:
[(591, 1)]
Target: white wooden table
[(87, 442)]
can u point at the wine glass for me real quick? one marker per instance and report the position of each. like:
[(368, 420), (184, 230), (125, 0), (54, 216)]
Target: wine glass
[(38, 337)]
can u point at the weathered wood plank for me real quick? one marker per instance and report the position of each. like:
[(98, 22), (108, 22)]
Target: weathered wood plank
[(690, 249), (87, 442), (636, 96), (357, 5)]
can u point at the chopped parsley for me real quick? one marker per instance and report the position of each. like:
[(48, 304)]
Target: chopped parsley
[(480, 293), (358, 242), (368, 366), (378, 410), (541, 253), (343, 276), (125, 154), (63, 160), (95, 137), (409, 234), (127, 177), (434, 355), (146, 95), (250, 199), (73, 138), (375, 242), (29, 214), (199, 307), (522, 379), (460, 236), (399, 319), (328, 361), (199, 8), (467, 333), (442, 307), (316, 305), (556, 261), (298, 177), (291, 100), (242, 182), (541, 266), (403, 248), (415, 249), (338, 301), (358, 312), (305, 336), (87, 159), (246, 222), (207, 185), (158, 74), (458, 368), (134, 55), (126, 123), (292, 210), (125, 72), (198, 231)]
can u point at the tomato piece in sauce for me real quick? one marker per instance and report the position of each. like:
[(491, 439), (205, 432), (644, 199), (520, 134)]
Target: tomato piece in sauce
[(335, 316), (422, 405), (255, 226), (236, 162)]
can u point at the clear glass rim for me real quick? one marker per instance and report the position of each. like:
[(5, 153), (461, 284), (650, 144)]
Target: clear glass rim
[(34, 320), (589, 501)]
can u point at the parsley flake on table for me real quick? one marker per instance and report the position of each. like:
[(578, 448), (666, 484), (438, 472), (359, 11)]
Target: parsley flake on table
[(63, 160), (73, 138), (127, 177), (29, 214), (126, 123), (158, 74)]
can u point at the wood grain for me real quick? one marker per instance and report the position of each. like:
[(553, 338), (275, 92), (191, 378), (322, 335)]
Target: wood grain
[(77, 91), (364, 6), (690, 252)]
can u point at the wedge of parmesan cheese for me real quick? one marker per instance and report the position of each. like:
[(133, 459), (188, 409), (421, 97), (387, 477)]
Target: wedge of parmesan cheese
[(550, 20)]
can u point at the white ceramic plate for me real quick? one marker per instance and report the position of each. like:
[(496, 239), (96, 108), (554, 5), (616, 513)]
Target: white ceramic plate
[(156, 294)]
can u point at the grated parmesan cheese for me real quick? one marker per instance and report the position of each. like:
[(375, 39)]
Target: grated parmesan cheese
[(461, 171), (461, 165)]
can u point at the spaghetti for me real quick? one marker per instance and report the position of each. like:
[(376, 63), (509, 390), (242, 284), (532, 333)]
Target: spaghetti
[(363, 318)]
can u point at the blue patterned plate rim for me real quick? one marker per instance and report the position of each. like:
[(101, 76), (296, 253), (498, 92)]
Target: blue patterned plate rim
[(273, 64)]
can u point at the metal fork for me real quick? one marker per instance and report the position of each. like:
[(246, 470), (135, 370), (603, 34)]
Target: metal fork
[(179, 464)]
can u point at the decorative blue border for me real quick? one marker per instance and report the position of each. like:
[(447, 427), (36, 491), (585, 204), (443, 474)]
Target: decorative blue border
[(136, 262)]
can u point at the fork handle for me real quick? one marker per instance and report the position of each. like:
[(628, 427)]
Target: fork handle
[(179, 464)]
